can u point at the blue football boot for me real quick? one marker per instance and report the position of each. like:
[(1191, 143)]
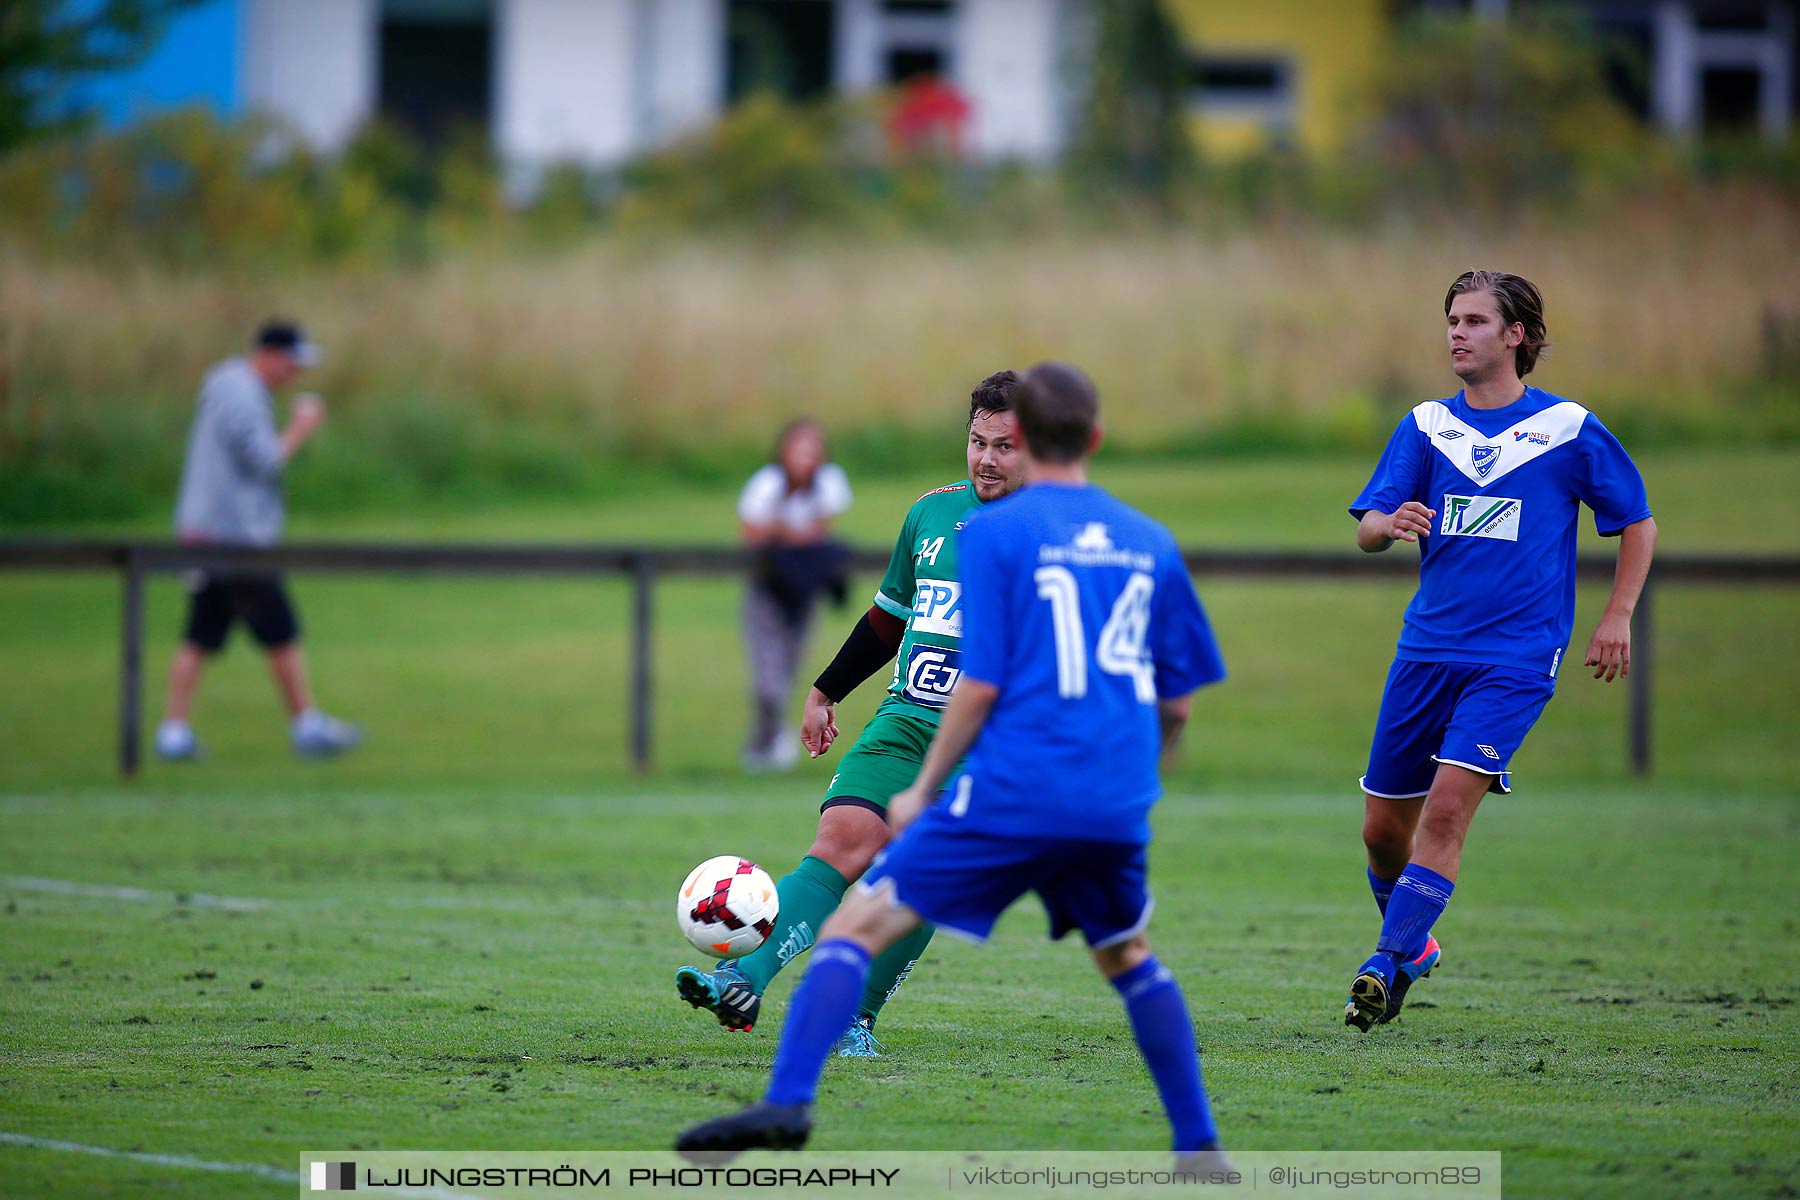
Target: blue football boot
[(859, 1041), (1409, 974), (724, 992)]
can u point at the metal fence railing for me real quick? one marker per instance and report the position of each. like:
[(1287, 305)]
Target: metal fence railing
[(136, 560)]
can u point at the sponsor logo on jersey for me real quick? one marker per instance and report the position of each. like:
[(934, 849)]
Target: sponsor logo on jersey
[(1481, 516), (931, 675), (1489, 751), (937, 607), (1449, 435), (1094, 547), (1536, 439), (951, 487), (1483, 459), (1094, 538)]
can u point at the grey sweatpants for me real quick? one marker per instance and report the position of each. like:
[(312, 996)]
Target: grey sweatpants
[(775, 646)]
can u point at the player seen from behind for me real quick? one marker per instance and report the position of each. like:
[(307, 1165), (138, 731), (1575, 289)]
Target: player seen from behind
[(1089, 641), (1490, 484), (917, 615)]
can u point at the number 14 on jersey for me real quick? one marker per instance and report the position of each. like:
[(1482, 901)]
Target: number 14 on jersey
[(1121, 649)]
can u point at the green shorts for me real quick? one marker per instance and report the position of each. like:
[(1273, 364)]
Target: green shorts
[(885, 760)]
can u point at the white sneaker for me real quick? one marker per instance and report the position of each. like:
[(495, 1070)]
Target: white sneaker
[(784, 751), (175, 742), (316, 735)]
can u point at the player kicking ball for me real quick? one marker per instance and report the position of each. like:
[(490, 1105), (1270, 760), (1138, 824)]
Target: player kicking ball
[(1490, 484), (1089, 640), (918, 613)]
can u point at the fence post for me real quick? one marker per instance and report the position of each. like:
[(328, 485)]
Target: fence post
[(643, 582), (1643, 656), (131, 666)]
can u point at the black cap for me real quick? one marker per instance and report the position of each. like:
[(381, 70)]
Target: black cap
[(289, 337)]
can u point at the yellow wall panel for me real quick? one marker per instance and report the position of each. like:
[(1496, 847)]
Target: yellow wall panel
[(1334, 50)]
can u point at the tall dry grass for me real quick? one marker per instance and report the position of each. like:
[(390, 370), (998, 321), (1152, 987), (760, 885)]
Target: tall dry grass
[(638, 351)]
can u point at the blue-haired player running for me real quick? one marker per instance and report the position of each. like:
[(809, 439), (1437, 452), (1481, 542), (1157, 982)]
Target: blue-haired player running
[(1492, 480), (1087, 640)]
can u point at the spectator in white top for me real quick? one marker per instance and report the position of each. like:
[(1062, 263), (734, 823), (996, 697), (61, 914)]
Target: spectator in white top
[(785, 513)]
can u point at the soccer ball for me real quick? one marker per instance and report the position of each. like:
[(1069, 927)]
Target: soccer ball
[(726, 907)]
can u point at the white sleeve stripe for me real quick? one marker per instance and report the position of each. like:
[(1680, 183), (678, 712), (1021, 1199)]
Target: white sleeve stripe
[(888, 605)]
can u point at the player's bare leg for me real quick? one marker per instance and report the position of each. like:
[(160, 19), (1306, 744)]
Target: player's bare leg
[(1444, 822), (867, 923), (1406, 952), (1388, 827), (848, 838)]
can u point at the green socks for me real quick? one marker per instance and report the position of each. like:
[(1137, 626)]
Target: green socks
[(808, 894), (890, 970)]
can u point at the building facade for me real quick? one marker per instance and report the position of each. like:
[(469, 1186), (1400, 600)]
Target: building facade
[(598, 82)]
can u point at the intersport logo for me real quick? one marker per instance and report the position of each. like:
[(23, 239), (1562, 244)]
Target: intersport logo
[(1494, 517)]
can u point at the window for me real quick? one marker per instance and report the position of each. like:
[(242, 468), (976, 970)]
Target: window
[(1247, 87), (1729, 97), (780, 46), (436, 65), (904, 63)]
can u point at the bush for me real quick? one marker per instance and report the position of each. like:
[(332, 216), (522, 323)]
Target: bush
[(1500, 113)]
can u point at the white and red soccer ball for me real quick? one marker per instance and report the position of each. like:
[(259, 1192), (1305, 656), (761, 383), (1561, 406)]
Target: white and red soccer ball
[(726, 907)]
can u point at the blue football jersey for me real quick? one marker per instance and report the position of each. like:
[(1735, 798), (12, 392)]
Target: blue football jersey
[(1080, 610), (1497, 572)]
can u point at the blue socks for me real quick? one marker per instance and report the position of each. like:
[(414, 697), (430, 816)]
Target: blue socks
[(1418, 901), (1383, 888), (824, 1005), (1165, 1035)]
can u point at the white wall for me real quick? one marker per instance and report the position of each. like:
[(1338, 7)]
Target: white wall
[(312, 63), (564, 83), (681, 67), (1011, 63)]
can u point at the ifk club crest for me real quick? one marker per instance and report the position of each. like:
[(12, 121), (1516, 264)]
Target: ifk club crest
[(1484, 458)]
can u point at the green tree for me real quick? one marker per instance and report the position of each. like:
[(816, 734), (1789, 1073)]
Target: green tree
[(1134, 128), (47, 45), (1494, 111)]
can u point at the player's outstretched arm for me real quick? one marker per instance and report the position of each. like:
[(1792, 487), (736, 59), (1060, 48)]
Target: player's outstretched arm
[(1408, 523), (1172, 715), (963, 718), (871, 645), (1609, 650)]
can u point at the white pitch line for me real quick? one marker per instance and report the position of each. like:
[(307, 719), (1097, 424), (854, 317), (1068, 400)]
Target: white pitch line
[(160, 1160), (182, 1161), (64, 887), (134, 895)]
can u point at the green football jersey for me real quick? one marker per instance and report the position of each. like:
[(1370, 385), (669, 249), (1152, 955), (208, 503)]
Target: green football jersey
[(921, 588)]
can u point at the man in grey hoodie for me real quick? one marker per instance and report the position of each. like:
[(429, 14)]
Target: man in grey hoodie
[(231, 496)]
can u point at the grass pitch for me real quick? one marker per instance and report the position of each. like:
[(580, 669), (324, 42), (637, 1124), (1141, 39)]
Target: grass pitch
[(462, 936), (241, 976)]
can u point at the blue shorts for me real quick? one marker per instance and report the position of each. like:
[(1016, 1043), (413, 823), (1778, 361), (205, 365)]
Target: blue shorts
[(1463, 714), (961, 880)]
